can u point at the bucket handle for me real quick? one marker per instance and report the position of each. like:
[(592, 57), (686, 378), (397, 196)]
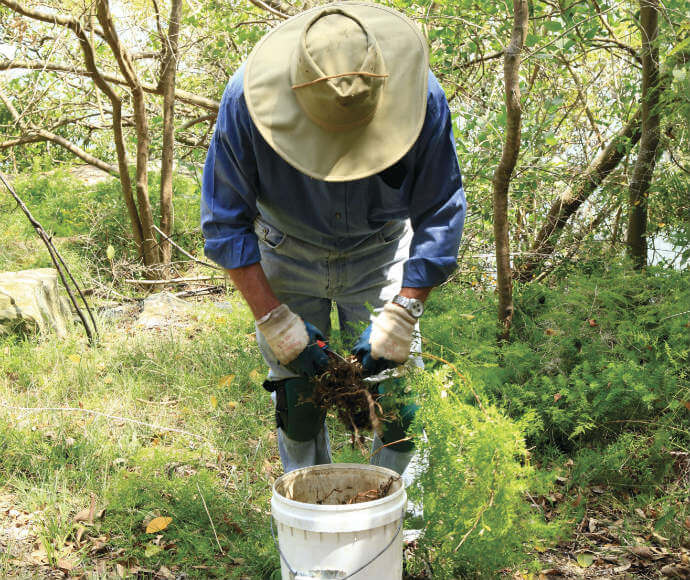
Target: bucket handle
[(294, 572)]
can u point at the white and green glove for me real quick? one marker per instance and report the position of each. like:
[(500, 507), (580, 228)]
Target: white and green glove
[(293, 341), (387, 341), (391, 334)]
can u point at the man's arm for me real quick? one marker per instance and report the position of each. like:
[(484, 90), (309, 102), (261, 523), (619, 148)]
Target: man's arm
[(418, 293), (252, 283)]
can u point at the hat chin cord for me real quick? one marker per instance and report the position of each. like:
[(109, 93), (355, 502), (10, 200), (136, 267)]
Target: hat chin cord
[(339, 75)]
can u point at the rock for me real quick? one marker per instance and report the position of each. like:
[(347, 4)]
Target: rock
[(163, 309), (31, 300)]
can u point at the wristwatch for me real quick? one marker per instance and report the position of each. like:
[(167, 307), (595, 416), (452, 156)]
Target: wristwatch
[(412, 305)]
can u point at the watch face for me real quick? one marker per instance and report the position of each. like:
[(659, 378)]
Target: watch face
[(416, 307)]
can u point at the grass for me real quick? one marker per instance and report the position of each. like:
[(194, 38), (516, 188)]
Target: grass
[(203, 381)]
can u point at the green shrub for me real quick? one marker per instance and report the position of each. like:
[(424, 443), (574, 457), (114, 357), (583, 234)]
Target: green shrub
[(473, 491), (591, 355)]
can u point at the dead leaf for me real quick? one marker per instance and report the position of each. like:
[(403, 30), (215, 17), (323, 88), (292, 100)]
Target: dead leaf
[(641, 513), (232, 405), (687, 405), (65, 564), (557, 397), (164, 572), (642, 552), (39, 556), (99, 546), (75, 358), (676, 571), (80, 534), (592, 322), (550, 332), (158, 524), (226, 381), (214, 402), (585, 559), (87, 515), (624, 564), (660, 539)]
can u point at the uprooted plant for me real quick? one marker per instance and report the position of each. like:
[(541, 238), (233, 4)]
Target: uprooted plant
[(342, 388)]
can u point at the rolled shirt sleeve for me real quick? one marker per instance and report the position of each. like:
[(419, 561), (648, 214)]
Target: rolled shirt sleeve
[(229, 184), (437, 202)]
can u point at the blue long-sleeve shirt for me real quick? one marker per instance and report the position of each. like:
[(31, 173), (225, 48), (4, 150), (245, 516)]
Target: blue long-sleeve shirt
[(244, 177)]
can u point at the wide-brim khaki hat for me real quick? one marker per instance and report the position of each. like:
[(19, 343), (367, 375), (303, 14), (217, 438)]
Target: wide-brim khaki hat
[(339, 91)]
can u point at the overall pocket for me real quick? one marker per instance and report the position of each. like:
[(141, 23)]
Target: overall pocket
[(268, 234), (392, 231)]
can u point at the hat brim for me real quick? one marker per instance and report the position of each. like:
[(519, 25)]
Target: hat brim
[(342, 155)]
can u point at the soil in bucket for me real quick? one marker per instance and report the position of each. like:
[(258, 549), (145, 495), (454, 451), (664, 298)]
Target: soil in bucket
[(367, 495), (351, 488)]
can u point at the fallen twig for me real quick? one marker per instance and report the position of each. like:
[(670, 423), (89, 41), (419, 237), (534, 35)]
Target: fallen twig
[(201, 495), (172, 280), (198, 292)]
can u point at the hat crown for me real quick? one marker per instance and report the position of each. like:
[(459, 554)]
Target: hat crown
[(337, 71)]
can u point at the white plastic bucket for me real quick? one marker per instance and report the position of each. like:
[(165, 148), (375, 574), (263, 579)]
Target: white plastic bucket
[(335, 539)]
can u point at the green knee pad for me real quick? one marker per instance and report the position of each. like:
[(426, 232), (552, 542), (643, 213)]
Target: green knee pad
[(296, 415), (395, 401)]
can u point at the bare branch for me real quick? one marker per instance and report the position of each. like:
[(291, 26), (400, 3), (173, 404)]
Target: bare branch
[(180, 95), (167, 86), (23, 140), (272, 6), (570, 201), (195, 121), (126, 65)]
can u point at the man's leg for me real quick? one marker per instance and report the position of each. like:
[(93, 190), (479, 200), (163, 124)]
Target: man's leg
[(301, 429)]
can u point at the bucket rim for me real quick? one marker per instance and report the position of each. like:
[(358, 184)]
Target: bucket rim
[(279, 497)]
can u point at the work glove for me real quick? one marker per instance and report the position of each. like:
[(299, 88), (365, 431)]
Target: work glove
[(386, 342), (296, 344)]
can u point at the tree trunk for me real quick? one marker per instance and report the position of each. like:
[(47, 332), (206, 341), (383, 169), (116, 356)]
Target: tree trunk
[(167, 84), (570, 201), (649, 141), (124, 61), (504, 171)]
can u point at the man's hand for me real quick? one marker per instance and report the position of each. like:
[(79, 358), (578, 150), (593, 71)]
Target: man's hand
[(293, 341), (386, 342)]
